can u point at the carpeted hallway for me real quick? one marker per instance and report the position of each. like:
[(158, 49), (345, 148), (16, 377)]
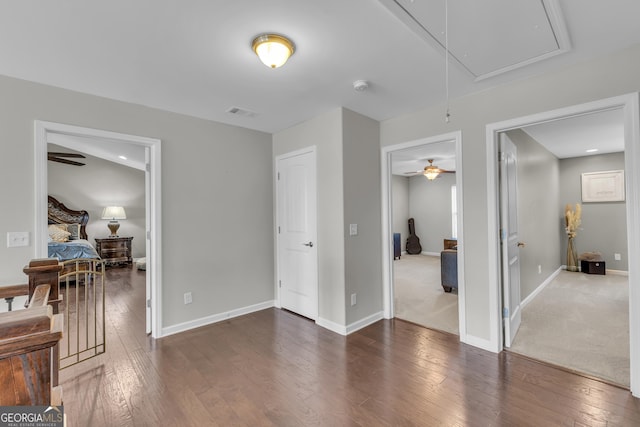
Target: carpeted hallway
[(579, 321)]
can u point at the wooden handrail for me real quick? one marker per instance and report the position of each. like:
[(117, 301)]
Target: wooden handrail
[(40, 296), (27, 338), (13, 291)]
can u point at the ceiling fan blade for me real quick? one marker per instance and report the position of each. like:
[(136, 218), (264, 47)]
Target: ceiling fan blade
[(65, 161), (73, 155)]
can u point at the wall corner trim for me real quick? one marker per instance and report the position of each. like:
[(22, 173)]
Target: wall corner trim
[(364, 322), (332, 326)]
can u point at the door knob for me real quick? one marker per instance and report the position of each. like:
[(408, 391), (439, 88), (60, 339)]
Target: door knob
[(310, 244), (521, 244)]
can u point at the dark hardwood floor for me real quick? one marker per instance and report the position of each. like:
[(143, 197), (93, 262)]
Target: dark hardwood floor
[(273, 368)]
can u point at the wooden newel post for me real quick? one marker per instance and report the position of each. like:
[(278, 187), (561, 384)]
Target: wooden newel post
[(46, 271)]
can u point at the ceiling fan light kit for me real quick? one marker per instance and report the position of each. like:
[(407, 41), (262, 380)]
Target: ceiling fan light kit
[(431, 172), (273, 49)]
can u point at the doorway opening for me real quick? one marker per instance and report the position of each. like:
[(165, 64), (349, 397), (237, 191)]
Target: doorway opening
[(628, 105), (428, 146), (86, 139)]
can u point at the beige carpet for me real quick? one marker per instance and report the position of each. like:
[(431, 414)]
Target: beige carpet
[(580, 321), (419, 297)]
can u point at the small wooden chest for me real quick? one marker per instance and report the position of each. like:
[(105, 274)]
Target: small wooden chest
[(592, 267)]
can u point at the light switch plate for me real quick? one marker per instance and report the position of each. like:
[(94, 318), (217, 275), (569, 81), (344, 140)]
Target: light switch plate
[(17, 238), (353, 229)]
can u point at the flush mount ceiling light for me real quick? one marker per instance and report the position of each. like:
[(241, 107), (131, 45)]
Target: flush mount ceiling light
[(273, 49)]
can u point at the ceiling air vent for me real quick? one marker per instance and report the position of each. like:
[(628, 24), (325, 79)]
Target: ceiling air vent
[(237, 111)]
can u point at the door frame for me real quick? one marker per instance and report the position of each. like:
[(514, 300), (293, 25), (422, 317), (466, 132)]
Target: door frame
[(387, 224), (630, 106), (307, 150), (152, 199)]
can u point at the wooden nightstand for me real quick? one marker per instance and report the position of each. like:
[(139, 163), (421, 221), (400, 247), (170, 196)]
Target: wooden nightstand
[(115, 250)]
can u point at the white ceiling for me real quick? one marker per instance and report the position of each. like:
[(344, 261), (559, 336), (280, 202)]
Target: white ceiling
[(130, 155), (481, 40), (194, 56), (572, 137), (569, 137), (411, 160)]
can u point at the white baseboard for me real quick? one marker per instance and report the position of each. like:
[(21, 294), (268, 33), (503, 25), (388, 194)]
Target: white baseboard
[(481, 343), (332, 326), (542, 285), (431, 253), (355, 326), (203, 321), (362, 323), (618, 272)]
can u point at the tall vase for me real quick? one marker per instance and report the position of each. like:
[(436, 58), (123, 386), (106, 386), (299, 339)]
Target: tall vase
[(572, 256)]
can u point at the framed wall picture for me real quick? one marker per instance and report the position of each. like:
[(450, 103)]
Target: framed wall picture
[(606, 186)]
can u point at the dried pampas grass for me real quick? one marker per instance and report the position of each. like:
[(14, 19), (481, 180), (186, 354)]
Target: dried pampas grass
[(572, 219)]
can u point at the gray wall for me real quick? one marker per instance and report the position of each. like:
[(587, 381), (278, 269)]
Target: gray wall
[(214, 214), (539, 210), (97, 184), (325, 132), (604, 225), (595, 79), (362, 206), (430, 206), (348, 177), (400, 207)]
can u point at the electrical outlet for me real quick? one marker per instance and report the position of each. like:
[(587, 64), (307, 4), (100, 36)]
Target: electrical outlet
[(353, 229), (617, 257), (353, 299), (539, 269), (187, 298)]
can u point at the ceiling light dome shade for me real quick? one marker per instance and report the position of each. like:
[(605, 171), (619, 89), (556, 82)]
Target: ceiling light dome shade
[(273, 49)]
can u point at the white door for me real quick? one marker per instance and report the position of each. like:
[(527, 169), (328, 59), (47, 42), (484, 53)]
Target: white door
[(296, 222), (510, 245)]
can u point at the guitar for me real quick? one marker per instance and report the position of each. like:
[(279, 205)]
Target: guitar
[(413, 242)]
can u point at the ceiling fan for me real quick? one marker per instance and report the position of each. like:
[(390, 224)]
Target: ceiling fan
[(431, 172), (59, 157)]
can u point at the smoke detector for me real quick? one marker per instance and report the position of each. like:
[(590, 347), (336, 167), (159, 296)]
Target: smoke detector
[(360, 85), (241, 112)]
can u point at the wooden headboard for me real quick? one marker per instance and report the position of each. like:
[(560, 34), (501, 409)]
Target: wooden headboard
[(60, 214)]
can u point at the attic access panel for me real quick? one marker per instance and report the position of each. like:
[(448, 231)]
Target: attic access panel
[(488, 37)]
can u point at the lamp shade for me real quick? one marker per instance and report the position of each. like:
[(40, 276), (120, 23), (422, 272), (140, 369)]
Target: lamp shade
[(273, 49), (114, 212)]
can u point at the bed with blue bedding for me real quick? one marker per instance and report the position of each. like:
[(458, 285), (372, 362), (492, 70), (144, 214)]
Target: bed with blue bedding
[(72, 249), (68, 240)]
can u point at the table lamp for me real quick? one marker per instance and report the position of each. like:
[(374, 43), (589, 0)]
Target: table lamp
[(114, 213)]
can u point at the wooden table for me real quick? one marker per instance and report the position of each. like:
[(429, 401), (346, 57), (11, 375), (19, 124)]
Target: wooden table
[(115, 250), (450, 243)]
